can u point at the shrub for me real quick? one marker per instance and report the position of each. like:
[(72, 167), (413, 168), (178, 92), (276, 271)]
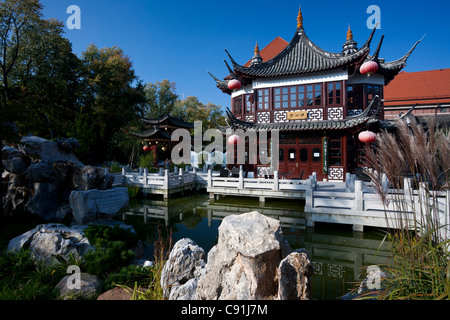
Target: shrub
[(112, 248)]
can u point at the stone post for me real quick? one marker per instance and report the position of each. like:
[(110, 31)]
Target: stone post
[(276, 181), (210, 181), (359, 205), (166, 179), (144, 175), (241, 178)]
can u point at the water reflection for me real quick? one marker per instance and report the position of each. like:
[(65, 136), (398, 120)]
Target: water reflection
[(338, 254)]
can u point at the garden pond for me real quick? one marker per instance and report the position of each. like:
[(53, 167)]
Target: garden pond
[(338, 254)]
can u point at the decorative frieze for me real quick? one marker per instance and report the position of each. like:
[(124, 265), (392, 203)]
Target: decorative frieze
[(263, 117), (335, 113), (336, 173)]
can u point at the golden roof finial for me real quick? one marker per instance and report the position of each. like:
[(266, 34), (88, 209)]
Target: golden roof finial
[(349, 33), (256, 48), (299, 18)]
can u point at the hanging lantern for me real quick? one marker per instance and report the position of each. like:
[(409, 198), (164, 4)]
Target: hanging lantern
[(146, 148), (234, 139), (369, 67), (151, 147), (367, 137), (234, 84)]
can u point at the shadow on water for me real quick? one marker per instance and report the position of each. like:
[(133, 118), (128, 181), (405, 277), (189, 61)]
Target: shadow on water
[(338, 254)]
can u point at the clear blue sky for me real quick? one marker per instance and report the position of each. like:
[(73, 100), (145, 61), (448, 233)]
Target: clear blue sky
[(182, 40)]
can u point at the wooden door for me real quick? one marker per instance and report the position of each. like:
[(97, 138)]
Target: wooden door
[(288, 162), (310, 160)]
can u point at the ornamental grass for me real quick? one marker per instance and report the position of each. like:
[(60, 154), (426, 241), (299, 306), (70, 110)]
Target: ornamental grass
[(416, 162)]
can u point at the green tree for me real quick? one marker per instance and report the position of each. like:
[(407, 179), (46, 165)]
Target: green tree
[(191, 109), (113, 98), (161, 98)]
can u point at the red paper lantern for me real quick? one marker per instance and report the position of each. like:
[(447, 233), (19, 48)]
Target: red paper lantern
[(146, 148), (367, 137), (369, 67), (234, 139), (234, 84)]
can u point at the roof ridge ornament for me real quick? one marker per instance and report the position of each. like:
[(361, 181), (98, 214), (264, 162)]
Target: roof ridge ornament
[(299, 18), (256, 48), (256, 59), (349, 33)]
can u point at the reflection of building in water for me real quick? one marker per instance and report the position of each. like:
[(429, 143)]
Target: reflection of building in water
[(338, 258), (338, 254)]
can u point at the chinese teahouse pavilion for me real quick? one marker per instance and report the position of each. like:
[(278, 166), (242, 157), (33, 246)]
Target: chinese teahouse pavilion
[(317, 100), (157, 136)]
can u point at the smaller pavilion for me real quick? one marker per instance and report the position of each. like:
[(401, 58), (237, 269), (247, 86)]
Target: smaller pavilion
[(157, 136)]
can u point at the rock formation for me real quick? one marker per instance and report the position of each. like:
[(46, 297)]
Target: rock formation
[(251, 261), (40, 175)]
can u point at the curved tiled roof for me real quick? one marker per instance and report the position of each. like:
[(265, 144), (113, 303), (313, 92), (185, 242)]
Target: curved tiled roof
[(301, 56)]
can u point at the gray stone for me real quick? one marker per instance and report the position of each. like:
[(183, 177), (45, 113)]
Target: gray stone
[(89, 287), (245, 263), (51, 242), (41, 171), (88, 205), (10, 152), (294, 277), (15, 165), (22, 241), (46, 150), (88, 178), (45, 202), (185, 264)]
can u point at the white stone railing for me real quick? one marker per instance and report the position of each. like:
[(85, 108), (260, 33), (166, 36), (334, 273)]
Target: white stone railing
[(275, 183), (162, 180), (363, 201)]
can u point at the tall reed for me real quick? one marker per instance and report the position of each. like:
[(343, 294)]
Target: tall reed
[(416, 162)]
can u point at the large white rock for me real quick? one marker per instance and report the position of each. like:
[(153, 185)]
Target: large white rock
[(87, 205), (244, 263), (186, 263)]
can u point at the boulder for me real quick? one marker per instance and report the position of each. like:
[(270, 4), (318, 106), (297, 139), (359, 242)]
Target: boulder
[(38, 148), (89, 287), (90, 177), (185, 264), (293, 275), (41, 171), (51, 242), (15, 165), (243, 264), (115, 294), (45, 202), (91, 204)]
